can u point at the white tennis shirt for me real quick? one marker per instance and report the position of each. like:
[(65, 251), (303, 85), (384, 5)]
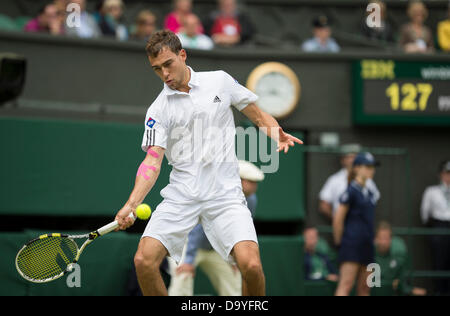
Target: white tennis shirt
[(436, 203), (197, 130)]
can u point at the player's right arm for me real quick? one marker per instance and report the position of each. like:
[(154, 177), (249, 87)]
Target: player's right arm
[(146, 177)]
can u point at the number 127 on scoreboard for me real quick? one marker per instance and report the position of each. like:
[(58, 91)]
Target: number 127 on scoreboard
[(409, 96)]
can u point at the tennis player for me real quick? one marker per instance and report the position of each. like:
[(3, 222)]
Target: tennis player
[(189, 123)]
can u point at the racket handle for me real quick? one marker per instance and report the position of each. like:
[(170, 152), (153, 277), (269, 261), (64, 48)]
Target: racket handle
[(112, 226)]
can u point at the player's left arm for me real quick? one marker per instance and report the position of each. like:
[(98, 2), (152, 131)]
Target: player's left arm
[(269, 125)]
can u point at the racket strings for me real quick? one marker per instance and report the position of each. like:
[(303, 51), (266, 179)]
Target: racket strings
[(46, 258)]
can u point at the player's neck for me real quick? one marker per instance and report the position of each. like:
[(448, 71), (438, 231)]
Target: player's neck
[(185, 84)]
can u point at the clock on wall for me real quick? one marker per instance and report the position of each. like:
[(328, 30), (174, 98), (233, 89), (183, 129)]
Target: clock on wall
[(277, 87)]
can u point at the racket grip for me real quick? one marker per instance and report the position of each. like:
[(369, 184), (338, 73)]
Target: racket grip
[(112, 226)]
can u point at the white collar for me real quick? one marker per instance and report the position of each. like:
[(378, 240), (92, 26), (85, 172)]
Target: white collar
[(193, 81)]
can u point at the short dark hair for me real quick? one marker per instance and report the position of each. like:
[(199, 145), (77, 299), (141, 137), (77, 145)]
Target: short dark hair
[(384, 225), (161, 39)]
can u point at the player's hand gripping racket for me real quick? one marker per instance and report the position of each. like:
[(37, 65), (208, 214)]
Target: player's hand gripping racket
[(50, 256)]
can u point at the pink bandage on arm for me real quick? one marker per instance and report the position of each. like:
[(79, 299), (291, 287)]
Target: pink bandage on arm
[(152, 153), (142, 171)]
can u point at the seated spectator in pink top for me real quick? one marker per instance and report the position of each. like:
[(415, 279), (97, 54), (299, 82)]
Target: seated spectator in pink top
[(174, 20), (48, 21)]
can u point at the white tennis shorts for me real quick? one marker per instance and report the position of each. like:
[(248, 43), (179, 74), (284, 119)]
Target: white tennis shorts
[(225, 222)]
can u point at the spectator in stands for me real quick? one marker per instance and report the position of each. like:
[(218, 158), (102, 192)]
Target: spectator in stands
[(354, 227), (435, 210), (228, 26), (337, 183), (443, 32), (225, 277), (48, 21), (415, 36), (145, 26), (190, 38), (322, 41), (110, 19), (174, 20), (317, 265), (391, 255), (88, 26), (384, 31), (61, 6)]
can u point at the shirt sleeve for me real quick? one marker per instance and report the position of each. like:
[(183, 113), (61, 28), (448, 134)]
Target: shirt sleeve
[(346, 197), (309, 46), (371, 185), (239, 95), (334, 47), (326, 194), (425, 207), (156, 131)]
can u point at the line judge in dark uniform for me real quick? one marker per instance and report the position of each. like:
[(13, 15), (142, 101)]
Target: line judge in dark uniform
[(354, 227)]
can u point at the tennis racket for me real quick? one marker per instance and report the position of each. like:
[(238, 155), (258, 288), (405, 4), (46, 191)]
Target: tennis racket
[(50, 256)]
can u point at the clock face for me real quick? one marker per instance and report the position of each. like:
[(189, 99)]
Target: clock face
[(277, 87), (276, 93)]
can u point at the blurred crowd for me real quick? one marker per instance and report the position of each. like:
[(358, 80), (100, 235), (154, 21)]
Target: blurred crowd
[(228, 26)]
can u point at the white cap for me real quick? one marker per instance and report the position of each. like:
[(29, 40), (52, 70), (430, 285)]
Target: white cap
[(249, 171)]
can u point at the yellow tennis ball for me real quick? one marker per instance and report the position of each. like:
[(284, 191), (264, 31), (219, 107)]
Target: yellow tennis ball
[(143, 211)]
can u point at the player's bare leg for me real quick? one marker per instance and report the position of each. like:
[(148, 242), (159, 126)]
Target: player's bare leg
[(147, 260), (362, 289), (244, 287), (246, 254), (347, 277)]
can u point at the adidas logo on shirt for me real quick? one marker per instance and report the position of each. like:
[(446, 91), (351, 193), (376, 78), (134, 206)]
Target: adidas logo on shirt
[(216, 99)]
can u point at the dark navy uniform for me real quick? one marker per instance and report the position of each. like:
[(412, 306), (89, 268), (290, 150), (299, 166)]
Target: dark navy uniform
[(357, 243)]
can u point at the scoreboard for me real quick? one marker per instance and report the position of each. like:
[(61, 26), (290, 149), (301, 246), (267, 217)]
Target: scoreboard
[(389, 92)]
